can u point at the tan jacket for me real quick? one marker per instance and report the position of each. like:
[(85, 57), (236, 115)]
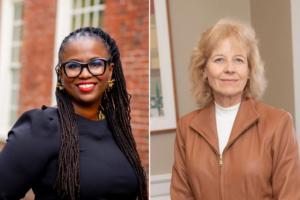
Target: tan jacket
[(260, 162)]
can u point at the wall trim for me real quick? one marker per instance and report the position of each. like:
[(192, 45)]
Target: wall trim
[(295, 16), (62, 29), (160, 187), (7, 15)]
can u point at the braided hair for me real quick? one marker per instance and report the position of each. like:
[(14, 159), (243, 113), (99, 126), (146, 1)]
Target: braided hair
[(116, 107)]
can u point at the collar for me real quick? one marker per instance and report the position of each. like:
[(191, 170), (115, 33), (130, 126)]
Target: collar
[(205, 123)]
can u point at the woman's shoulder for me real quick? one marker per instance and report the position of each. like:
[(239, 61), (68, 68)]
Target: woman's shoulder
[(267, 111), (37, 122), (50, 112), (201, 112), (190, 116), (273, 118)]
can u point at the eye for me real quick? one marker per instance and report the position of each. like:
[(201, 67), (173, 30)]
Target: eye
[(72, 66), (97, 63), (239, 60), (219, 60)]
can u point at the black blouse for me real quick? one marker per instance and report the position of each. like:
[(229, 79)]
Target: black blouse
[(29, 159)]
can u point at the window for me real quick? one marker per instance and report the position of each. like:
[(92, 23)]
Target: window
[(87, 13), (15, 64), (156, 99), (10, 43), (163, 112)]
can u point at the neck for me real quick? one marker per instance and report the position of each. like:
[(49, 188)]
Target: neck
[(227, 101), (89, 112)]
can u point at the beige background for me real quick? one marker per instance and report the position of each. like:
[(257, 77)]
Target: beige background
[(271, 20)]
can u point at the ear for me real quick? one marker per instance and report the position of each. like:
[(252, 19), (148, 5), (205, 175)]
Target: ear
[(110, 69), (59, 71)]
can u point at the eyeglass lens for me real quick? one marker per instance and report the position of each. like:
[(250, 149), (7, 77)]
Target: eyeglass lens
[(96, 67)]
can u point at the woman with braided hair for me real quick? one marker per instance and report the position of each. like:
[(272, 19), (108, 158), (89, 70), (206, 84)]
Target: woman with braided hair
[(84, 148)]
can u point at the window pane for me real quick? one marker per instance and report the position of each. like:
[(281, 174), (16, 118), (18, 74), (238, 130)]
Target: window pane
[(18, 11), (156, 96), (82, 20), (14, 97), (91, 19), (17, 33), (15, 54), (74, 3), (13, 117), (87, 17), (100, 19), (15, 76), (79, 4), (87, 3), (73, 23)]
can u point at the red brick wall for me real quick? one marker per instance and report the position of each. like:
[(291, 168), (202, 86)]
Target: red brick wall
[(37, 53), (128, 23)]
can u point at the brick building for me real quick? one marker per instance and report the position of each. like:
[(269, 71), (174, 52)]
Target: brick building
[(31, 32)]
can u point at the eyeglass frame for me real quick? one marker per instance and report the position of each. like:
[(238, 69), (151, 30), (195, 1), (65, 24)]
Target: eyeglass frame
[(82, 65)]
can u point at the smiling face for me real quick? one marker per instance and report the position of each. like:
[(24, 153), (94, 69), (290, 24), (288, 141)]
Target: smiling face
[(85, 89), (227, 72)]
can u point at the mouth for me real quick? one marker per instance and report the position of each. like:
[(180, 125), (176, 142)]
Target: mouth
[(229, 80), (86, 87)]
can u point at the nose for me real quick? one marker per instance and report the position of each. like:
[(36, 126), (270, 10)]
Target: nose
[(85, 73), (230, 68)]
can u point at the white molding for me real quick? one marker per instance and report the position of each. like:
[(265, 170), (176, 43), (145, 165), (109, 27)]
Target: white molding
[(88, 9), (295, 19), (15, 65), (62, 29), (16, 44), (18, 22), (160, 187), (168, 121), (7, 14)]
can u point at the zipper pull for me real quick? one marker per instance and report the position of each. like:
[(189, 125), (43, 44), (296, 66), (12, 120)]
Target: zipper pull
[(220, 161)]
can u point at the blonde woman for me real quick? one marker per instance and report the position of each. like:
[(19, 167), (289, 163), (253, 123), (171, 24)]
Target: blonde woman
[(233, 147)]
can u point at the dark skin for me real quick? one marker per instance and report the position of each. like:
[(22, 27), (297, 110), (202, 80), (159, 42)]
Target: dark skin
[(83, 50)]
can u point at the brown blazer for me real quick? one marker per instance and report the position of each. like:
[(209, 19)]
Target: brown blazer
[(260, 162)]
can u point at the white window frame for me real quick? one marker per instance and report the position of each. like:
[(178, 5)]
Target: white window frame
[(6, 42), (63, 28), (169, 119), (295, 20), (86, 11)]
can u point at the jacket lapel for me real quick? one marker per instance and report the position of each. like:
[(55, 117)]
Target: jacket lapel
[(205, 124), (246, 116)]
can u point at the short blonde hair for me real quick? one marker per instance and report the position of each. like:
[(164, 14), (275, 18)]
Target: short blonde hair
[(243, 35)]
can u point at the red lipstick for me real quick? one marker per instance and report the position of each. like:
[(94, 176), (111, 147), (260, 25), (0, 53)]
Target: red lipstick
[(86, 86)]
